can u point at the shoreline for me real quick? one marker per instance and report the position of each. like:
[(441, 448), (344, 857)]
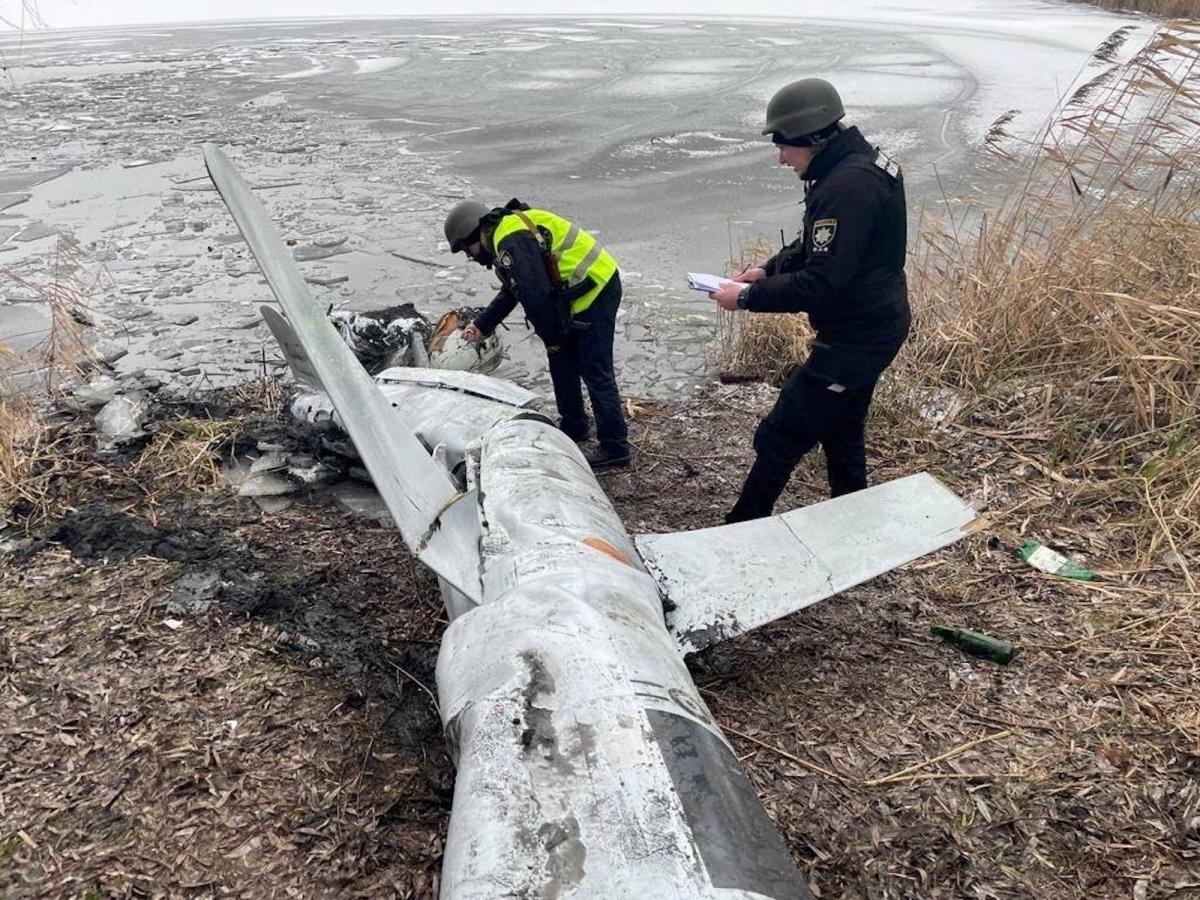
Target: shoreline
[(246, 695)]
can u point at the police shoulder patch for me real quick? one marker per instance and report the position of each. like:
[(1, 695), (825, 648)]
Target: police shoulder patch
[(504, 260), (889, 165), (823, 231)]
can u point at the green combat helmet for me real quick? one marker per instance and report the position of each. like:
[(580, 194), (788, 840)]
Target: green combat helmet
[(802, 108), (462, 224)]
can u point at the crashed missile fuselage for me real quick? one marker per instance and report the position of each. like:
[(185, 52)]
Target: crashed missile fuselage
[(588, 764)]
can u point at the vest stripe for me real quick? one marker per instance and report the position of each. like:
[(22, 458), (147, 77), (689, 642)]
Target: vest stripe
[(577, 254), (586, 263), (569, 240)]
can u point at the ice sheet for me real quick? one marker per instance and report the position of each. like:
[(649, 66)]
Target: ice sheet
[(645, 130)]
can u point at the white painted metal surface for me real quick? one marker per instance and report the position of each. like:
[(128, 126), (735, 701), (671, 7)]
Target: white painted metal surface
[(466, 382), (728, 580), (589, 765), (416, 490), (293, 351)]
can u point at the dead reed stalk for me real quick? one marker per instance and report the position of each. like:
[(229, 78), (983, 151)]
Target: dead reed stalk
[(65, 352), (21, 437), (28, 452), (1074, 303), (1163, 9)]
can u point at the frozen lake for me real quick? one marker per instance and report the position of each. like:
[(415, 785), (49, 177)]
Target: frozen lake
[(364, 132)]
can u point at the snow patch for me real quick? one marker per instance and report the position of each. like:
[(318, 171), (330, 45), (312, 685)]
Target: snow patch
[(664, 85), (372, 65)]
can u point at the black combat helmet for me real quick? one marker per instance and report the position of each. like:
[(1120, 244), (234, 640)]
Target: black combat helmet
[(803, 108), (462, 224)]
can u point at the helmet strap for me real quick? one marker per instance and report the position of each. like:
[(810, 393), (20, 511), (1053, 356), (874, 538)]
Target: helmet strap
[(816, 139)]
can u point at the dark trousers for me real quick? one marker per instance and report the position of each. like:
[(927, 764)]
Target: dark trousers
[(807, 413), (587, 354)]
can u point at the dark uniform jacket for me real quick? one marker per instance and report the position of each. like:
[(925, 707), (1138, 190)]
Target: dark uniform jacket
[(846, 268), (521, 265)]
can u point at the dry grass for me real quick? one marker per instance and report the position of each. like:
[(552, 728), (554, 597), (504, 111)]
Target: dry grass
[(21, 436), (1162, 9), (1074, 307), (763, 346), (184, 455), (27, 443), (50, 466)]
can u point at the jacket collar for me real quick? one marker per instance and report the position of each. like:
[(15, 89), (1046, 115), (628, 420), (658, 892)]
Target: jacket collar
[(847, 142)]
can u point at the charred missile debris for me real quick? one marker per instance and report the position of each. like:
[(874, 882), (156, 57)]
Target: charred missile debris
[(588, 763)]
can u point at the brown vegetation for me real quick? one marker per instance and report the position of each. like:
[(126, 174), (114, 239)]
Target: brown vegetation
[(27, 443), (1162, 9), (1074, 307), (763, 346)]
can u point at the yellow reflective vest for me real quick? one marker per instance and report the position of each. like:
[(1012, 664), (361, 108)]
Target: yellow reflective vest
[(578, 255)]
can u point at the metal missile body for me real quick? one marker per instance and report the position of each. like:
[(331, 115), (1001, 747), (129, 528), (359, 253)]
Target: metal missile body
[(588, 764)]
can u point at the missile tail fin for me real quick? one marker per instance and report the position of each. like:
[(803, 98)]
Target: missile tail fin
[(293, 351)]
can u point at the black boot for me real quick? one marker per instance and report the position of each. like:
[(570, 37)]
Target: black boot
[(608, 457)]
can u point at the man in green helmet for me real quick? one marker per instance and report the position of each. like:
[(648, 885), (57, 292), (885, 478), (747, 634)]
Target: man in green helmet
[(846, 271), (569, 288)]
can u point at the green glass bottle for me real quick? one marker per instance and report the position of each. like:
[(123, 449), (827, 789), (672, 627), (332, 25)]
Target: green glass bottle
[(1043, 558), (976, 643)]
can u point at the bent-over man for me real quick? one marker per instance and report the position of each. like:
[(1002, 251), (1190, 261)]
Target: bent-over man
[(569, 288)]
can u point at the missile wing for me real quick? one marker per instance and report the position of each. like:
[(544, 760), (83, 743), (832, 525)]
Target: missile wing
[(722, 582), (418, 492)]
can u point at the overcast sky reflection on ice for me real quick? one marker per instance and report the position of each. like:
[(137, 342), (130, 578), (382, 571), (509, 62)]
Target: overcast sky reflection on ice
[(87, 13), (28, 14)]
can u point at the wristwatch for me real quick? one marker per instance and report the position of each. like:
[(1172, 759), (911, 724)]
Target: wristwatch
[(742, 294)]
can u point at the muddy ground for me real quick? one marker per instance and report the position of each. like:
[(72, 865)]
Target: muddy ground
[(201, 698)]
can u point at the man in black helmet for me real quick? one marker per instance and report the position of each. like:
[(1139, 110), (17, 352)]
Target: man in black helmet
[(846, 271), (569, 288)]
